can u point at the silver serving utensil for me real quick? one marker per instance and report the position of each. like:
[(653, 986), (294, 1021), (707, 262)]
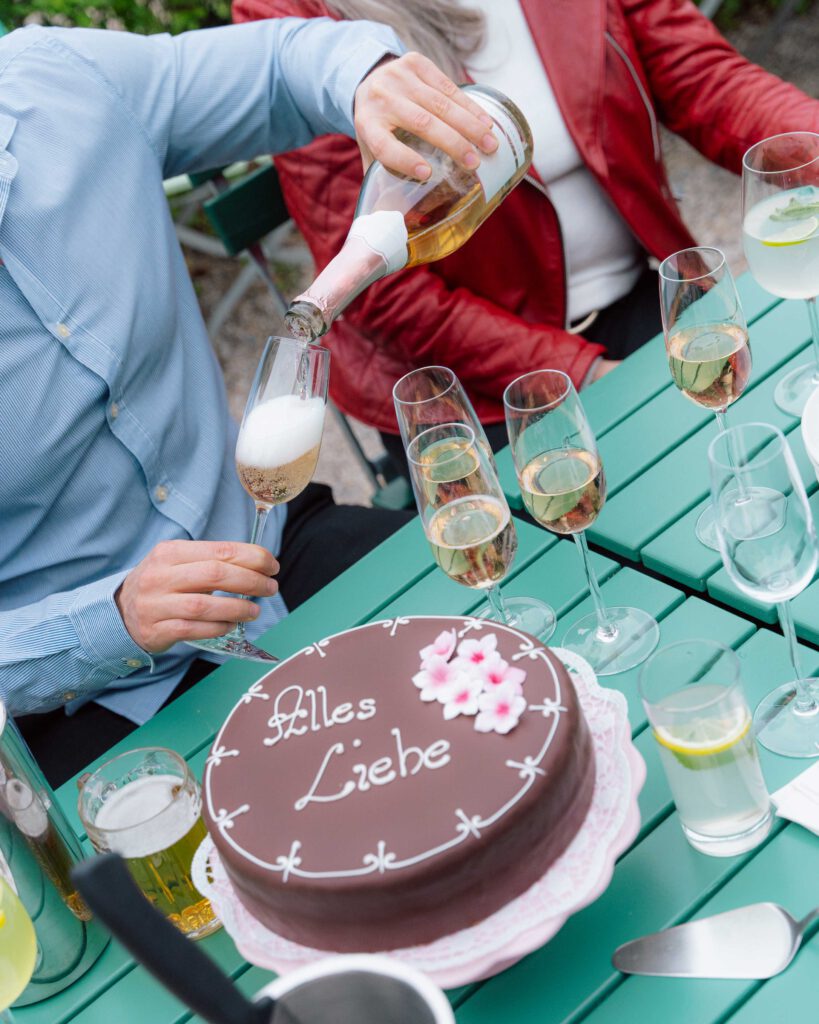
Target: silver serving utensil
[(757, 941)]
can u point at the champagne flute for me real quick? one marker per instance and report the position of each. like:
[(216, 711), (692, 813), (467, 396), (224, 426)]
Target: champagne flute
[(433, 395), (767, 540), (464, 511), (18, 948), (278, 447), (564, 487), (706, 338), (780, 234)]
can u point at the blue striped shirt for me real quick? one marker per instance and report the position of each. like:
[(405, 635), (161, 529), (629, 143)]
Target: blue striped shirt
[(115, 430)]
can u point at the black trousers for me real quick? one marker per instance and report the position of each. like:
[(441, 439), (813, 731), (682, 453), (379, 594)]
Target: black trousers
[(622, 327), (320, 540)]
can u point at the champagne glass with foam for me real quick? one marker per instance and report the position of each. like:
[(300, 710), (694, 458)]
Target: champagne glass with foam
[(563, 487), (780, 234), (433, 395), (278, 446), (464, 511), (706, 339)]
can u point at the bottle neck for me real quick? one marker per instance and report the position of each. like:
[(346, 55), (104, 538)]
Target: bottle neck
[(375, 246)]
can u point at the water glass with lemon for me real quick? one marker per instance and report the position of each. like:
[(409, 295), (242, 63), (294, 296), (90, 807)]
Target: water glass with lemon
[(18, 947), (692, 693)]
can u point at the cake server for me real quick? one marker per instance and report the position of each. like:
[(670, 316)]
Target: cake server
[(757, 941)]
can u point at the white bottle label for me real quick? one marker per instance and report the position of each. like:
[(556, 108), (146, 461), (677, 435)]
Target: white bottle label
[(386, 233), (495, 170)]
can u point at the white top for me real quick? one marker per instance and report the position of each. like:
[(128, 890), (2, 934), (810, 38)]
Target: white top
[(603, 259)]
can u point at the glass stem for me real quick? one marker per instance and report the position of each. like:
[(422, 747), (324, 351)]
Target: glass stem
[(498, 605), (258, 526), (803, 703), (6, 1017), (605, 629), (813, 317), (720, 418)]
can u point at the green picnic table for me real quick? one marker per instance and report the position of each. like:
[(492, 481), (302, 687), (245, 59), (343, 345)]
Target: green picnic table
[(654, 444)]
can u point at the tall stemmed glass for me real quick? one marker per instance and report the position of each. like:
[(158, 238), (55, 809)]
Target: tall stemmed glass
[(433, 395), (706, 339), (563, 486), (464, 512), (780, 233), (278, 446), (767, 540)]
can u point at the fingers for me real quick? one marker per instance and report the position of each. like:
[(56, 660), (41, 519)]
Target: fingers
[(204, 608), (251, 556), (205, 577), (442, 97)]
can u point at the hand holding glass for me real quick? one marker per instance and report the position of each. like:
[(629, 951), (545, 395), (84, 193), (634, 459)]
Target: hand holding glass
[(278, 447), (767, 540), (706, 339), (563, 487)]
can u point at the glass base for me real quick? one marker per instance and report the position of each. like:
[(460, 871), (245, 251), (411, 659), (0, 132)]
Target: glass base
[(792, 391), (706, 528), (527, 614), (633, 636), (234, 647), (780, 727), (730, 846)]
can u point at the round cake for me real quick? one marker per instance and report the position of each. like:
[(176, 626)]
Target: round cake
[(398, 782)]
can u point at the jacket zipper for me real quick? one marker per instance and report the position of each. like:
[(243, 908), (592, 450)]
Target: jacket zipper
[(544, 192), (652, 117)]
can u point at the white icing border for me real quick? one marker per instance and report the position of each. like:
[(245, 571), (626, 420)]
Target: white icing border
[(381, 860)]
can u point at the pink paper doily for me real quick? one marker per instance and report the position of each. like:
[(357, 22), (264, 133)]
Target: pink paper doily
[(576, 879)]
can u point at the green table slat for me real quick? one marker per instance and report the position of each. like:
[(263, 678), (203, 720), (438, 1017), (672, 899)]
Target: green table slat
[(777, 874), (672, 486), (676, 552)]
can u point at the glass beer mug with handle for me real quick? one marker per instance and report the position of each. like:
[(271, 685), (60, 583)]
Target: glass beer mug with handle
[(146, 806), (402, 223)]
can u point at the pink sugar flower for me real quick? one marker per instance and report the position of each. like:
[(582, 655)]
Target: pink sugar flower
[(500, 673), (435, 677), (462, 695), (500, 709), (443, 645), (479, 652)]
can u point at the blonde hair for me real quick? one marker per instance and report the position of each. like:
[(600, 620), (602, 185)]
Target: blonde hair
[(442, 30)]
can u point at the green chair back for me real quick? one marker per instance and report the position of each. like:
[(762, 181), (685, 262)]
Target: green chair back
[(247, 211)]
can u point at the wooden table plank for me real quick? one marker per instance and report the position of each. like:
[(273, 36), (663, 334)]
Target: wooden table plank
[(672, 486)]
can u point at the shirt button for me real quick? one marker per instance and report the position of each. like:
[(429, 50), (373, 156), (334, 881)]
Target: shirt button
[(69, 695), (133, 662), (114, 410), (161, 493), (63, 331)]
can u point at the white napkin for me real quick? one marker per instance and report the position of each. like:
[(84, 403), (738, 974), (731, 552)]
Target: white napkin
[(799, 800)]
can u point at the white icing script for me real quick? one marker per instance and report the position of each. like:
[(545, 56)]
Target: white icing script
[(295, 705), (407, 761)]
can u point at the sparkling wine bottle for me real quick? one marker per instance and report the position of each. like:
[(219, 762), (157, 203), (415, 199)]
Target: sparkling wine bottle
[(401, 223)]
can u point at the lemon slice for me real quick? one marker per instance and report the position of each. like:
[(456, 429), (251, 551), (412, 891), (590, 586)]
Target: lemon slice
[(793, 234), (694, 743)]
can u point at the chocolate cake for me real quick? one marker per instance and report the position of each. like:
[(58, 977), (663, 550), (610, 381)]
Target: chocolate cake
[(398, 782)]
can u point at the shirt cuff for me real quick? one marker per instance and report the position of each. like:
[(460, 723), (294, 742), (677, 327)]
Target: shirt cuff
[(379, 42), (105, 641)]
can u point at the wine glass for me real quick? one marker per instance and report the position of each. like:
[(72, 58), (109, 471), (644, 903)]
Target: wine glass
[(767, 540), (18, 948), (780, 234), (706, 338), (564, 487), (278, 447), (466, 517), (433, 395)]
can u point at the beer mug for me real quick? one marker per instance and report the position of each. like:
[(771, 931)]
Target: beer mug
[(146, 806)]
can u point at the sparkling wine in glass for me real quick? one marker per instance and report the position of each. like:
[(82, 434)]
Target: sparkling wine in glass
[(767, 540), (18, 947), (706, 339), (400, 222), (433, 395), (464, 511), (278, 447), (780, 234), (563, 486)]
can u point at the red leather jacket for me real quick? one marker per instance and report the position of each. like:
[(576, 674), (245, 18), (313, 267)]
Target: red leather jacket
[(496, 307)]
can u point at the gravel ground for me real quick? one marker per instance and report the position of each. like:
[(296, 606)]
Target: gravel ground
[(709, 198)]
